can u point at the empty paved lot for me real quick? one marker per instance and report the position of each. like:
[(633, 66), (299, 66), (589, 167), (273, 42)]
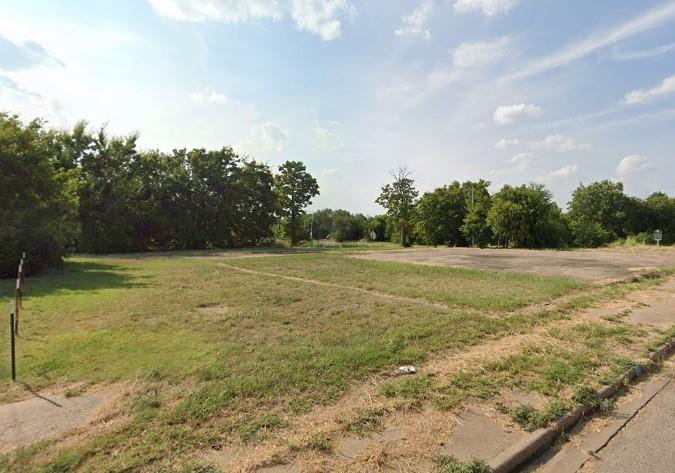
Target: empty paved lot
[(586, 265)]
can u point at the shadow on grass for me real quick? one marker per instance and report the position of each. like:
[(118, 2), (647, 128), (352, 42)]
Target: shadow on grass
[(75, 277), (214, 252)]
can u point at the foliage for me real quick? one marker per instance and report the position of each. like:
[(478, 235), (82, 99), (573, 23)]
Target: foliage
[(378, 224), (439, 216), (399, 200), (39, 201), (294, 188), (475, 227), (348, 227), (597, 213), (526, 216)]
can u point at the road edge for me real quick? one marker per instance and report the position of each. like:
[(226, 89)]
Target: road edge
[(540, 440)]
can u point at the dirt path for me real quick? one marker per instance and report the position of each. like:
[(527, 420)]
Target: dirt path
[(369, 292)]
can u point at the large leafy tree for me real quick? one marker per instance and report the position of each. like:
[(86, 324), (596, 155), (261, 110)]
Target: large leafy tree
[(399, 198), (295, 188), (439, 216), (597, 213), (39, 199), (526, 216), (475, 228)]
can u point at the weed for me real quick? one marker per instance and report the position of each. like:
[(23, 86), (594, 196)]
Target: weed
[(450, 464), (367, 420), (531, 419), (320, 442), (408, 388), (587, 396), (265, 423)]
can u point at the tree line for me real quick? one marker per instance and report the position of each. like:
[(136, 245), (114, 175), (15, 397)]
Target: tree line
[(86, 191), (526, 216), (78, 190)]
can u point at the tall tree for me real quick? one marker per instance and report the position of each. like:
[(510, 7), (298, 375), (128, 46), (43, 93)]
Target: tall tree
[(39, 200), (439, 216), (294, 188), (597, 213), (477, 199), (526, 216), (399, 200)]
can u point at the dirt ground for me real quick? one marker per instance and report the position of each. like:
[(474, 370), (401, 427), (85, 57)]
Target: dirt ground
[(597, 266), (44, 416)]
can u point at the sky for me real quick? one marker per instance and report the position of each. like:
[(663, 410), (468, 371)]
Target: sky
[(558, 92)]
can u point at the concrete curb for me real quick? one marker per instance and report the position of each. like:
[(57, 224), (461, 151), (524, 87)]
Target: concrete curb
[(540, 440)]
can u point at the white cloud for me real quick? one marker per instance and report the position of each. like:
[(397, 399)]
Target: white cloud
[(631, 164), (507, 143), (642, 54), (415, 23), (482, 53), (560, 143), (486, 7), (647, 95), (211, 97), (228, 11), (564, 172), (523, 160), (506, 114), (327, 137), (647, 21), (321, 17), (266, 137)]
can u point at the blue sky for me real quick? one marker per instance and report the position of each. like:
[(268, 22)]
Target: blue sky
[(512, 91)]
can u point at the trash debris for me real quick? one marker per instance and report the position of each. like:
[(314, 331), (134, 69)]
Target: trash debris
[(407, 370)]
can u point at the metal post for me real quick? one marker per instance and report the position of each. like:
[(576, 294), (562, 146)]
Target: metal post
[(311, 230), (12, 345), (17, 305)]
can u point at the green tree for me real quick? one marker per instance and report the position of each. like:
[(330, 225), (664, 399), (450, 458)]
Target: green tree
[(526, 216), (294, 188), (378, 225), (477, 199), (39, 199), (660, 210), (439, 216), (399, 200), (348, 227), (597, 213), (322, 223)]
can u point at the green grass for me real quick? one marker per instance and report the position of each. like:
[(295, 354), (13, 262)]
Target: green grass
[(239, 343), (478, 289), (214, 353)]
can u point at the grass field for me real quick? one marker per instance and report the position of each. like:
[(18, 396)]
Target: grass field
[(217, 355)]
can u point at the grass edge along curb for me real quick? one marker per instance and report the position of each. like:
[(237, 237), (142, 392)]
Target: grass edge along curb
[(538, 441)]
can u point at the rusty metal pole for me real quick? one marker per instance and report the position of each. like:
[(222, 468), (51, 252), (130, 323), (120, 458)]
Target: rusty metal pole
[(12, 345), (17, 305)]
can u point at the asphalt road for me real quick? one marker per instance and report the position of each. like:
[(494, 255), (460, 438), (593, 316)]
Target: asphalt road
[(586, 265), (646, 444)]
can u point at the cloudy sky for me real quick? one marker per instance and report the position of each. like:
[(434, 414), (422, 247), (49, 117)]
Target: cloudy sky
[(513, 91)]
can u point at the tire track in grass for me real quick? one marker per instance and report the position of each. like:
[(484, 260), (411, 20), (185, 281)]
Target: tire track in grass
[(360, 290)]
